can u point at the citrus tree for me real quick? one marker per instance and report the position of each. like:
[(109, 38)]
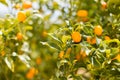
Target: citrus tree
[(60, 40)]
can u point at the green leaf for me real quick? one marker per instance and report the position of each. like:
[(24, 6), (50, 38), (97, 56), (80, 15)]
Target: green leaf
[(65, 38), (25, 59), (113, 6), (114, 52), (98, 40), (63, 61), (107, 51), (46, 44), (55, 38), (4, 2), (9, 63), (95, 62), (28, 27)]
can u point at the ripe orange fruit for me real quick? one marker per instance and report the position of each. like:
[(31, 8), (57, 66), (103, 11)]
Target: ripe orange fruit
[(2, 53), (21, 16), (82, 13), (93, 40), (88, 39), (83, 54), (32, 70), (61, 54), (107, 38), (27, 4), (38, 60), (104, 5), (76, 37), (44, 33), (31, 73), (68, 51), (117, 57), (19, 36), (78, 56), (98, 30)]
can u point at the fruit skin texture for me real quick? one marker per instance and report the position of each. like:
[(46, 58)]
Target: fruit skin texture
[(68, 51), (78, 56), (91, 40), (88, 39), (2, 53), (117, 57), (82, 13), (44, 33), (107, 38), (81, 55), (76, 37), (27, 4), (38, 61), (98, 30), (104, 5), (61, 54), (31, 73), (19, 36), (21, 16)]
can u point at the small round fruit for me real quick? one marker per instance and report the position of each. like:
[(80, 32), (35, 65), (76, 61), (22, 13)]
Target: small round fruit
[(82, 13), (68, 51), (93, 40), (98, 30), (27, 4), (44, 33), (61, 54), (117, 57), (107, 38), (78, 56), (84, 55), (89, 39), (2, 53), (19, 36), (29, 75), (104, 5), (21, 16), (38, 61), (76, 37)]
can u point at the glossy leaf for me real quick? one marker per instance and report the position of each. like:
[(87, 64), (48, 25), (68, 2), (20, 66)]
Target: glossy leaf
[(9, 63), (25, 59)]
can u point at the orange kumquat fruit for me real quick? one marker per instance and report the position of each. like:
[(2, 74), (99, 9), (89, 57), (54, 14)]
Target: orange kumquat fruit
[(76, 37), (82, 13), (21, 16), (98, 30)]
